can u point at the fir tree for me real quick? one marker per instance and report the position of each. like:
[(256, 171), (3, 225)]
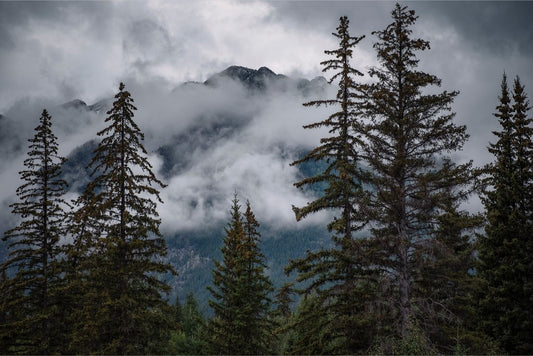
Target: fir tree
[(283, 300), (505, 250), (340, 276), (118, 245), (448, 282), (407, 140), (257, 287), (240, 290), (190, 337), (307, 330), (178, 314), (342, 175), (281, 317), (30, 298)]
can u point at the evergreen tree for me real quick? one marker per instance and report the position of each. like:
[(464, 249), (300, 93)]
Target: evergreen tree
[(283, 300), (281, 317), (240, 290), (450, 285), (178, 314), (505, 250), (407, 140), (340, 276), (190, 337), (118, 246), (32, 319), (307, 330)]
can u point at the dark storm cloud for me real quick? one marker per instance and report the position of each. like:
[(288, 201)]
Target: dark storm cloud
[(19, 14), (363, 15), (493, 26), (47, 47), (496, 27)]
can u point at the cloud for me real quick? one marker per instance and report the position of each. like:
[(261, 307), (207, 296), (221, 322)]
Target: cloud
[(218, 140), (226, 139), (82, 49), (495, 28), (256, 138)]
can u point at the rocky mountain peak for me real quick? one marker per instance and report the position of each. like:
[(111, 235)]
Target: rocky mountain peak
[(250, 78), (75, 104)]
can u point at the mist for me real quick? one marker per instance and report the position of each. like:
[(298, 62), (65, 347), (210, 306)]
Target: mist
[(206, 142)]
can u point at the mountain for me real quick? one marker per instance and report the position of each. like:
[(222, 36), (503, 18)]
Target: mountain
[(215, 139), (251, 79), (263, 78), (75, 104)]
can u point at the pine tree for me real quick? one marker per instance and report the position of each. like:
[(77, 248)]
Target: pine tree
[(307, 330), (283, 300), (240, 290), (190, 338), (450, 285), (407, 141), (281, 316), (178, 314), (257, 287), (340, 276), (118, 246), (30, 299), (505, 250)]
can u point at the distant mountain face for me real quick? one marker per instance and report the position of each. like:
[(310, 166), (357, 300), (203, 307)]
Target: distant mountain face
[(237, 131), (263, 79), (99, 107)]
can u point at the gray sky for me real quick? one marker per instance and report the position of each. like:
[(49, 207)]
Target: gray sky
[(56, 51)]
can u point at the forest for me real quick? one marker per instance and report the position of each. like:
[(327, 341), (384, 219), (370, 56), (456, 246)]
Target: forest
[(409, 269)]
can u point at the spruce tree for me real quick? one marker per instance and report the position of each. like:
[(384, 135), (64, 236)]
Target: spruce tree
[(448, 280), (118, 246), (240, 290), (307, 330), (190, 336), (505, 249), (32, 322), (407, 142), (340, 276)]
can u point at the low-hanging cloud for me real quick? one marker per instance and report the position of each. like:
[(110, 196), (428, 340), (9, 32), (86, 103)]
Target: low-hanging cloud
[(237, 140)]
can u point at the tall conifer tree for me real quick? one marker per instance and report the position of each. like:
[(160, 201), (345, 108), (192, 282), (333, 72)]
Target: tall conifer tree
[(118, 245), (240, 290), (30, 298), (340, 276), (407, 141), (448, 281), (505, 250)]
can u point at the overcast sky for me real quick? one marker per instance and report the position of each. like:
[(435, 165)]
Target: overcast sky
[(56, 51)]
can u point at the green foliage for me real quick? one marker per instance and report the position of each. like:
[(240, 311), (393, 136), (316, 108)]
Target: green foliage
[(505, 250), (240, 290), (450, 285), (306, 331), (31, 315), (341, 175), (416, 343), (190, 336), (340, 276), (408, 137), (117, 246)]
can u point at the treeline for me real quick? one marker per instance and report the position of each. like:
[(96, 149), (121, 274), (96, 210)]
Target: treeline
[(410, 271)]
